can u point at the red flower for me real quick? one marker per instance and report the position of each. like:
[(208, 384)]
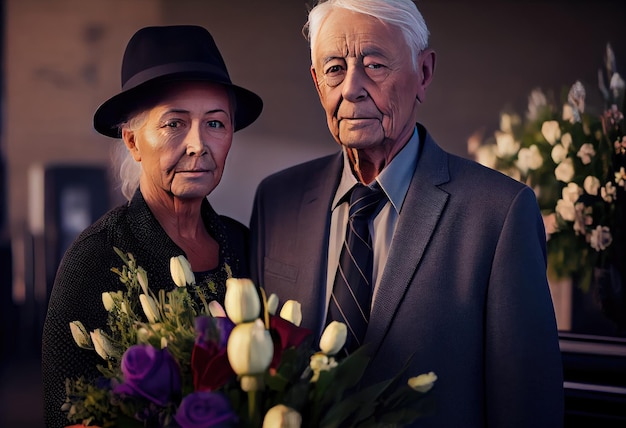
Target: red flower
[(285, 335), (209, 359), (210, 367)]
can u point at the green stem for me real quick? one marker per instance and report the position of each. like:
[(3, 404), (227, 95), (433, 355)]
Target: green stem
[(253, 409)]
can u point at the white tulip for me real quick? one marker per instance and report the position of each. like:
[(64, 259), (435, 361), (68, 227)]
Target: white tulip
[(216, 310), (107, 301), (142, 278), (333, 338), (423, 382), (281, 416), (149, 307), (101, 343), (292, 312), (272, 304), (143, 335), (80, 335), (181, 271), (250, 348), (242, 301)]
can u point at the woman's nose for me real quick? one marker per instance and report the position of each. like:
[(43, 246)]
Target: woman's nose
[(195, 143)]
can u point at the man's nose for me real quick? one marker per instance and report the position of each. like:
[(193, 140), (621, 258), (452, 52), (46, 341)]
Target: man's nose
[(354, 83)]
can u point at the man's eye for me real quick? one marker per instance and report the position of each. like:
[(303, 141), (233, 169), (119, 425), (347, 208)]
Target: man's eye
[(374, 66), (333, 69)]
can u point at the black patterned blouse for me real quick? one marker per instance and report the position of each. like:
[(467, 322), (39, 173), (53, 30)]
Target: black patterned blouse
[(85, 273)]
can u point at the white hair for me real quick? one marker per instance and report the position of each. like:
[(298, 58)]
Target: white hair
[(129, 168), (401, 13)]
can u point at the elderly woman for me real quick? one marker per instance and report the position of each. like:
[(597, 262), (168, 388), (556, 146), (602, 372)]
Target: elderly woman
[(176, 115)]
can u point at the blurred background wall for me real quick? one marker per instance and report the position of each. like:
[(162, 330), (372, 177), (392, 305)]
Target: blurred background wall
[(61, 59)]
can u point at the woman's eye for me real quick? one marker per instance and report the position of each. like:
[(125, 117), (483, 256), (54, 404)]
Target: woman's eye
[(172, 124), (215, 124)]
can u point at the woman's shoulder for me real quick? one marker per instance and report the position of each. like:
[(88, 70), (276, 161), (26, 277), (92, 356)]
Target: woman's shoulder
[(237, 234), (96, 242), (232, 225)]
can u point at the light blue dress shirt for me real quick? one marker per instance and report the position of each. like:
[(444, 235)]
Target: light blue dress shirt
[(394, 180)]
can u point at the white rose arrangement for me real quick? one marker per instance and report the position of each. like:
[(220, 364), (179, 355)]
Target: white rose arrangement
[(574, 158)]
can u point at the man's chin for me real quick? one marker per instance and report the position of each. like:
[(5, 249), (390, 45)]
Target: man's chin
[(361, 138), (360, 143)]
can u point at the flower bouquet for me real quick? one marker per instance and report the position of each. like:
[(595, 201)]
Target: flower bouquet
[(177, 360), (574, 159)]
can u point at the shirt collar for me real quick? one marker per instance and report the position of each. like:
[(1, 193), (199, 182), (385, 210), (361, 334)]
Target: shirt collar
[(394, 179)]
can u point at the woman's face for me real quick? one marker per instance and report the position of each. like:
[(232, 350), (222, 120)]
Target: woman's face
[(183, 141)]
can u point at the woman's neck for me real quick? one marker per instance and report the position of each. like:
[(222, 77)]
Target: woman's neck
[(182, 221)]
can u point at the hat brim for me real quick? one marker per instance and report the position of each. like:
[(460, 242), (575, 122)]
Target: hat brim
[(115, 110)]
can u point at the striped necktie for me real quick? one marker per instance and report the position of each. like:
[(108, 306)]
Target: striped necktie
[(352, 290)]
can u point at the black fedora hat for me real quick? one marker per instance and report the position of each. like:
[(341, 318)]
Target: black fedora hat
[(161, 54)]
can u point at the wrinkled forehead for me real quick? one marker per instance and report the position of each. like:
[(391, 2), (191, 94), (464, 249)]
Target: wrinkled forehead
[(349, 34)]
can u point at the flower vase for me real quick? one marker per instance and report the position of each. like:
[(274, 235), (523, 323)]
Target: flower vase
[(561, 292), (609, 293)]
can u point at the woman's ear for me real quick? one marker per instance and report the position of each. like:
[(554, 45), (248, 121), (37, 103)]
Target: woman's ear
[(130, 140), (426, 68)]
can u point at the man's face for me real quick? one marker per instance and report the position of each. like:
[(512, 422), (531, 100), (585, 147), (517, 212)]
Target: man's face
[(365, 79)]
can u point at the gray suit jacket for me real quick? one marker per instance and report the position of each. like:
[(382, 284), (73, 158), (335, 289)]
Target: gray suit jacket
[(464, 290)]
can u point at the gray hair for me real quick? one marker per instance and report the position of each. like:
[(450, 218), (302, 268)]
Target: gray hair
[(401, 13), (129, 168)]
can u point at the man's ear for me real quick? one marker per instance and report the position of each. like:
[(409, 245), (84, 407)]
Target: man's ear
[(129, 138), (315, 81), (426, 68)]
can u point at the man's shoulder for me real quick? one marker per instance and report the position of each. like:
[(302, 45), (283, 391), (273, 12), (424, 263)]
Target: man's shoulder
[(463, 171), (478, 173)]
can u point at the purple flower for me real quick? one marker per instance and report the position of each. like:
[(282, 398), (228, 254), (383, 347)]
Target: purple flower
[(205, 409), (150, 373), (213, 330)]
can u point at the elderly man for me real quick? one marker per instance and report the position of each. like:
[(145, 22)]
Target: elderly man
[(455, 273)]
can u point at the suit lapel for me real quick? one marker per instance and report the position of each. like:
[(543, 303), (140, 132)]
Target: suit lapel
[(413, 232), (313, 233)]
